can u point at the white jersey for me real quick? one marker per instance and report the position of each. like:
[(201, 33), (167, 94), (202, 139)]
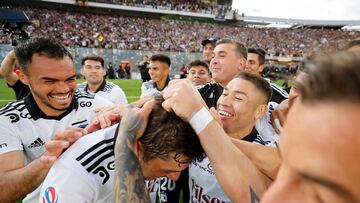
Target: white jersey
[(149, 88), (84, 172), (107, 90), (24, 127), (203, 184), (264, 124)]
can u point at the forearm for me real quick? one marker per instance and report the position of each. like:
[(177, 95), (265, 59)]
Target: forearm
[(234, 170), (17, 183), (6, 69), (129, 180), (266, 159)]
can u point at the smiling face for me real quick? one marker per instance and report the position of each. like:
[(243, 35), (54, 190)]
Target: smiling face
[(155, 168), (52, 83), (158, 71), (320, 153), (239, 105), (93, 72), (226, 63), (253, 64), (199, 75)]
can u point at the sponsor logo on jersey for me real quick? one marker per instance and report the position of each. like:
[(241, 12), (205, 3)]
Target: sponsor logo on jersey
[(37, 143), (198, 195), (50, 195)]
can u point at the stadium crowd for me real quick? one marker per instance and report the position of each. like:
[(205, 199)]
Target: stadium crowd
[(178, 5), (104, 31)]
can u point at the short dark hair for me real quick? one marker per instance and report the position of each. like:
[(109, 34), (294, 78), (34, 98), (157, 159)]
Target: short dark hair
[(44, 46), (334, 77), (199, 63), (167, 133), (260, 52), (94, 58), (260, 84), (162, 58), (240, 48)]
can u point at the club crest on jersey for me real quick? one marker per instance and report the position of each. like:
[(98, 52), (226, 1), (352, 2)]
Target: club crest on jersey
[(50, 195)]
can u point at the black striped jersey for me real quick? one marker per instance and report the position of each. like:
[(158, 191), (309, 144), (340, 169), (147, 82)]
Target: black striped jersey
[(107, 90), (84, 172), (25, 127), (203, 184)]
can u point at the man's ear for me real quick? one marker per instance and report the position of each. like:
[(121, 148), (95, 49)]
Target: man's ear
[(139, 149), (242, 64), (260, 111), (261, 68), (22, 77)]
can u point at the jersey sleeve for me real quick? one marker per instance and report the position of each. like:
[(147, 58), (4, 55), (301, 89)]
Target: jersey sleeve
[(120, 96), (9, 137), (67, 182)]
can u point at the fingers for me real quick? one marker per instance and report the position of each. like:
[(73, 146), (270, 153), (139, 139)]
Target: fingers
[(147, 108), (216, 115), (70, 134), (56, 147), (142, 101)]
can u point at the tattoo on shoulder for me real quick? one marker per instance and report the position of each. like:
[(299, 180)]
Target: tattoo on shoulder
[(129, 180)]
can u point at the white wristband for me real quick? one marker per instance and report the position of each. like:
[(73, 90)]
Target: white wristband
[(200, 120)]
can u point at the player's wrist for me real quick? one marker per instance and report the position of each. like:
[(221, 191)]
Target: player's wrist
[(200, 120)]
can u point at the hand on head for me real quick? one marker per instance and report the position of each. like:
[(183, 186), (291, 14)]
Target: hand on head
[(182, 98)]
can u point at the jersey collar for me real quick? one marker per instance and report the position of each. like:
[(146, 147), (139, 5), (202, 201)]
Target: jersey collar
[(101, 87), (252, 136), (36, 113), (166, 84)]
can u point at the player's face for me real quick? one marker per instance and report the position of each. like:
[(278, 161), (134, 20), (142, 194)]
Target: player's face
[(158, 71), (226, 63), (253, 64), (93, 72), (208, 51), (52, 83), (156, 168), (199, 75), (320, 153), (237, 105)]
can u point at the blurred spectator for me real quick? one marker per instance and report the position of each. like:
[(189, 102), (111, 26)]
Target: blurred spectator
[(143, 68)]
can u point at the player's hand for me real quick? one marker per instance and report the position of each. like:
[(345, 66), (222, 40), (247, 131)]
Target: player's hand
[(134, 123), (61, 141), (182, 97), (278, 116), (110, 115)]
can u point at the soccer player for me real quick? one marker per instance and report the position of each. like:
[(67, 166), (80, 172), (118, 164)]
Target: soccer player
[(11, 77), (52, 110), (255, 64), (315, 166), (85, 172), (199, 73), (93, 71), (159, 70), (243, 101)]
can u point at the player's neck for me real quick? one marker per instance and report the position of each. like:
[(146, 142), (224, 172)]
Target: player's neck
[(92, 88), (241, 133)]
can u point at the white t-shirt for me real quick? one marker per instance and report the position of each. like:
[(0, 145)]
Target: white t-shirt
[(203, 184), (84, 172), (24, 127), (107, 90), (149, 88)]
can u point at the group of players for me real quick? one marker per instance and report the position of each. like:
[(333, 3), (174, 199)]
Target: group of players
[(211, 137)]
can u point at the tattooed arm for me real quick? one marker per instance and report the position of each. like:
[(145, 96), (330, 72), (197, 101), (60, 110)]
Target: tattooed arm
[(129, 180)]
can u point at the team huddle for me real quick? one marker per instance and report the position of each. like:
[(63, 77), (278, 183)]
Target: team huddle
[(223, 134)]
